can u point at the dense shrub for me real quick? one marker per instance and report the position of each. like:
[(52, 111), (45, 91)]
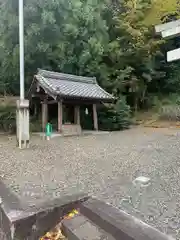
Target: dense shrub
[(170, 112), (35, 125), (8, 119), (167, 106), (115, 117)]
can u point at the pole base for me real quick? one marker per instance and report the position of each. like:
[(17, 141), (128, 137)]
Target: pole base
[(22, 123), (22, 144)]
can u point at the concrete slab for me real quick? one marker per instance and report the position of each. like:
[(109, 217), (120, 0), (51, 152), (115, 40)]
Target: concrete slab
[(118, 223), (19, 220)]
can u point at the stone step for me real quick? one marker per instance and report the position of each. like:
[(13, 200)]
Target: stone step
[(118, 223), (81, 228), (71, 130)]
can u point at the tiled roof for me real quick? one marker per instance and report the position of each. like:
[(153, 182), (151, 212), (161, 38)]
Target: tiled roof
[(66, 85)]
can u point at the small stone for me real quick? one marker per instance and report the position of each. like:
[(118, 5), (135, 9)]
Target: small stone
[(142, 181)]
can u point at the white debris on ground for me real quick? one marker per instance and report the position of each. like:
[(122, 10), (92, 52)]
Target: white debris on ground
[(142, 181)]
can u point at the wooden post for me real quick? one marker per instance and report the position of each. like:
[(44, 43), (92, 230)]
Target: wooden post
[(35, 109), (44, 115), (60, 117), (77, 115), (95, 118)]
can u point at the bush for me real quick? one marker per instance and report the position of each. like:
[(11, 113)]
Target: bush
[(8, 119), (168, 107), (115, 117), (35, 125), (170, 113)]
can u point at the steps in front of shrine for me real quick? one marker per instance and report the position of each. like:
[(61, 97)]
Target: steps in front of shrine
[(71, 130)]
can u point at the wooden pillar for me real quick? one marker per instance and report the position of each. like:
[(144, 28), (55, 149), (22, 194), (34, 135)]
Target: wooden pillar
[(60, 116), (95, 117), (35, 109), (77, 115), (44, 115)]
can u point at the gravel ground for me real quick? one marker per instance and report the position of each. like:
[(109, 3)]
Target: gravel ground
[(104, 166)]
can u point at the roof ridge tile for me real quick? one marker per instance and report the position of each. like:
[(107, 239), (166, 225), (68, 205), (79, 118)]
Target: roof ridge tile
[(65, 76)]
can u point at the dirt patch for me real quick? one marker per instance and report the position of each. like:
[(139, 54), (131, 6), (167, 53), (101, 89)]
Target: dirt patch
[(162, 124)]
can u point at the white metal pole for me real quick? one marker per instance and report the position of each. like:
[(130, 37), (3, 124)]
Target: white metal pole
[(21, 47)]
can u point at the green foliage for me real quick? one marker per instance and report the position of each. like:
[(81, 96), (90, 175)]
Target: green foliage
[(165, 107), (35, 125), (8, 119), (162, 9), (115, 117), (170, 112), (132, 52), (67, 36), (107, 39)]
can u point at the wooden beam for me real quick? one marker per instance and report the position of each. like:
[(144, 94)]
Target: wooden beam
[(44, 115), (77, 115), (52, 102), (41, 96), (35, 109), (60, 116), (95, 117)]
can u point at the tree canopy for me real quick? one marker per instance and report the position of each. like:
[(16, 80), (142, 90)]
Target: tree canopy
[(112, 40)]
